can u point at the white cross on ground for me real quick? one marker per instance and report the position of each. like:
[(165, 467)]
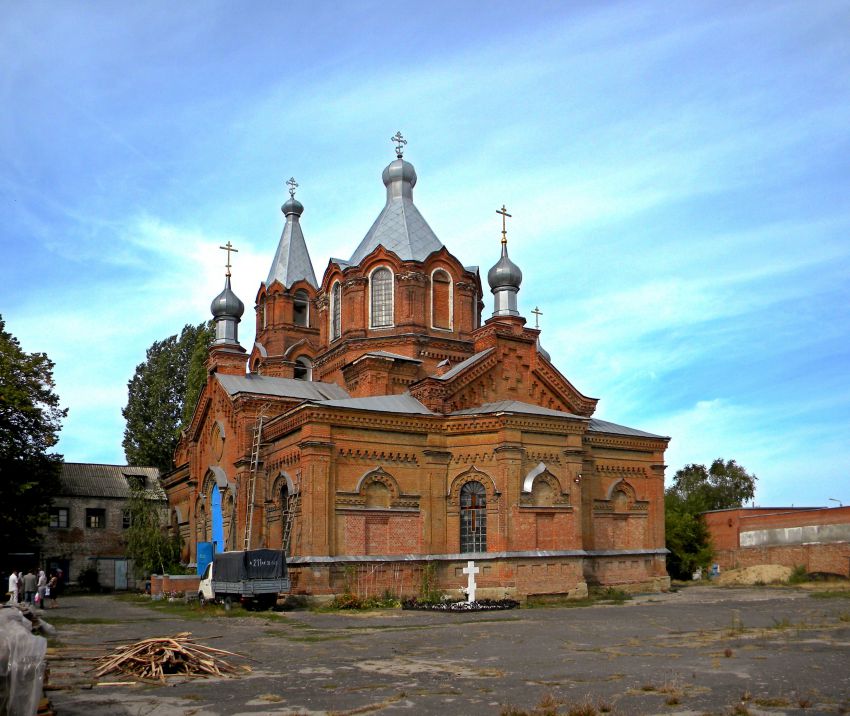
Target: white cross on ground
[(471, 570)]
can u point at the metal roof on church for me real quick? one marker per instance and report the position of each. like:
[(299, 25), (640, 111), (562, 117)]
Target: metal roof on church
[(291, 261), (472, 360), (400, 227), (85, 479), (515, 406), (387, 354), (404, 403), (603, 426), (280, 387)]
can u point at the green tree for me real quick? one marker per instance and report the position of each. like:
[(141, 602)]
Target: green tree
[(149, 544), (30, 420), (162, 395), (725, 484), (695, 490)]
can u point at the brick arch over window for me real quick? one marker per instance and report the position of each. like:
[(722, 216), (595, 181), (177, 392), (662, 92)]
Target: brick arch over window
[(378, 476), (442, 300), (472, 473), (622, 496)]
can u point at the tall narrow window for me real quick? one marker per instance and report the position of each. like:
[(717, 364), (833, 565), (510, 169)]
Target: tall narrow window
[(285, 519), (382, 298), (441, 300), (301, 308), (473, 517), (336, 310), (261, 310)]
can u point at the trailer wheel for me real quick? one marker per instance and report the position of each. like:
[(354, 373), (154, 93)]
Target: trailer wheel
[(228, 603), (202, 600)]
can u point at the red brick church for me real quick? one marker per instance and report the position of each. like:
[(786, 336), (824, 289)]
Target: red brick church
[(377, 428)]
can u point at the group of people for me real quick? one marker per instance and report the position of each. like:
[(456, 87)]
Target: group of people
[(35, 589)]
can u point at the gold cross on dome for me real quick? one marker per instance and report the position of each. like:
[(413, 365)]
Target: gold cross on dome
[(293, 185), (505, 215), (228, 247), (537, 313), (399, 144)]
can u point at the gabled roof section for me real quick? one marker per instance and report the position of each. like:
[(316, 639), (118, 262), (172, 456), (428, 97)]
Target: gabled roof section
[(388, 355), (515, 406), (603, 426), (280, 387), (404, 404), (84, 479), (292, 260), (463, 365)]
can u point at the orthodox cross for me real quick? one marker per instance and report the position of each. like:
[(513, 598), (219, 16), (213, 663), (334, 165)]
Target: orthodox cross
[(399, 144), (228, 247), (470, 570), (505, 215), (293, 185), (537, 313)]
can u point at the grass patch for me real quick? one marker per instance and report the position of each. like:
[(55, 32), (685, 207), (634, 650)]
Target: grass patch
[(772, 702), (597, 595), (192, 610), (832, 594), (66, 621)]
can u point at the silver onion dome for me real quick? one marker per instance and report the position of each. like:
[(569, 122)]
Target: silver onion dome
[(292, 206), (399, 172), (227, 303), (505, 274)]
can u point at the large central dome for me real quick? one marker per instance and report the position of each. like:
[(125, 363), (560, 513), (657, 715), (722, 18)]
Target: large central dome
[(400, 227)]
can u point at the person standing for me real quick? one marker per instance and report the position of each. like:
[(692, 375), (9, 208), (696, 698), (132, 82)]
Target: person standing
[(41, 587), (50, 591), (30, 583), (13, 587)]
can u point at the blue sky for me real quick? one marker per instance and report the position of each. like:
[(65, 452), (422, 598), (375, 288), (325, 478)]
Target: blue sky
[(678, 175)]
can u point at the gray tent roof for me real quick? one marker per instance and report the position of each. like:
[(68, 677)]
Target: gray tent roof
[(404, 403), (515, 406), (603, 426), (399, 228), (84, 479), (280, 387), (292, 260)]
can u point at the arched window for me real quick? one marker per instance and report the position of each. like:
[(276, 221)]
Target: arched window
[(441, 300), (301, 308), (285, 518), (377, 495), (261, 313), (381, 313), (336, 310), (303, 368), (473, 517)]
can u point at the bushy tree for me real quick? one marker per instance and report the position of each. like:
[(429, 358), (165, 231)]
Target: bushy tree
[(30, 420), (162, 395), (695, 490), (725, 484), (149, 544)]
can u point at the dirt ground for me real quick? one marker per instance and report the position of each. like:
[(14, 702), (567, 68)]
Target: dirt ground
[(701, 650)]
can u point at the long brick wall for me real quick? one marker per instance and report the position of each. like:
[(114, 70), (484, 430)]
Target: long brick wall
[(816, 538)]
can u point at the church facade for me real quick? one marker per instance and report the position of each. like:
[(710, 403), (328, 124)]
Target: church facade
[(383, 434)]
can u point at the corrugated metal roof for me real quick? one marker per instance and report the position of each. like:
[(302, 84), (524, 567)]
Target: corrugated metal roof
[(472, 360), (404, 403), (280, 387), (603, 426), (515, 406), (85, 479)]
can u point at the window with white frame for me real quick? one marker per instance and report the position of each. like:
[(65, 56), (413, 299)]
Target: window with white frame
[(381, 289), (336, 310), (301, 308)]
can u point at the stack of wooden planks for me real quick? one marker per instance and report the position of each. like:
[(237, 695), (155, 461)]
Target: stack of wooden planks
[(159, 657)]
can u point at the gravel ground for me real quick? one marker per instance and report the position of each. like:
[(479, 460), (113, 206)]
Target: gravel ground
[(700, 650)]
